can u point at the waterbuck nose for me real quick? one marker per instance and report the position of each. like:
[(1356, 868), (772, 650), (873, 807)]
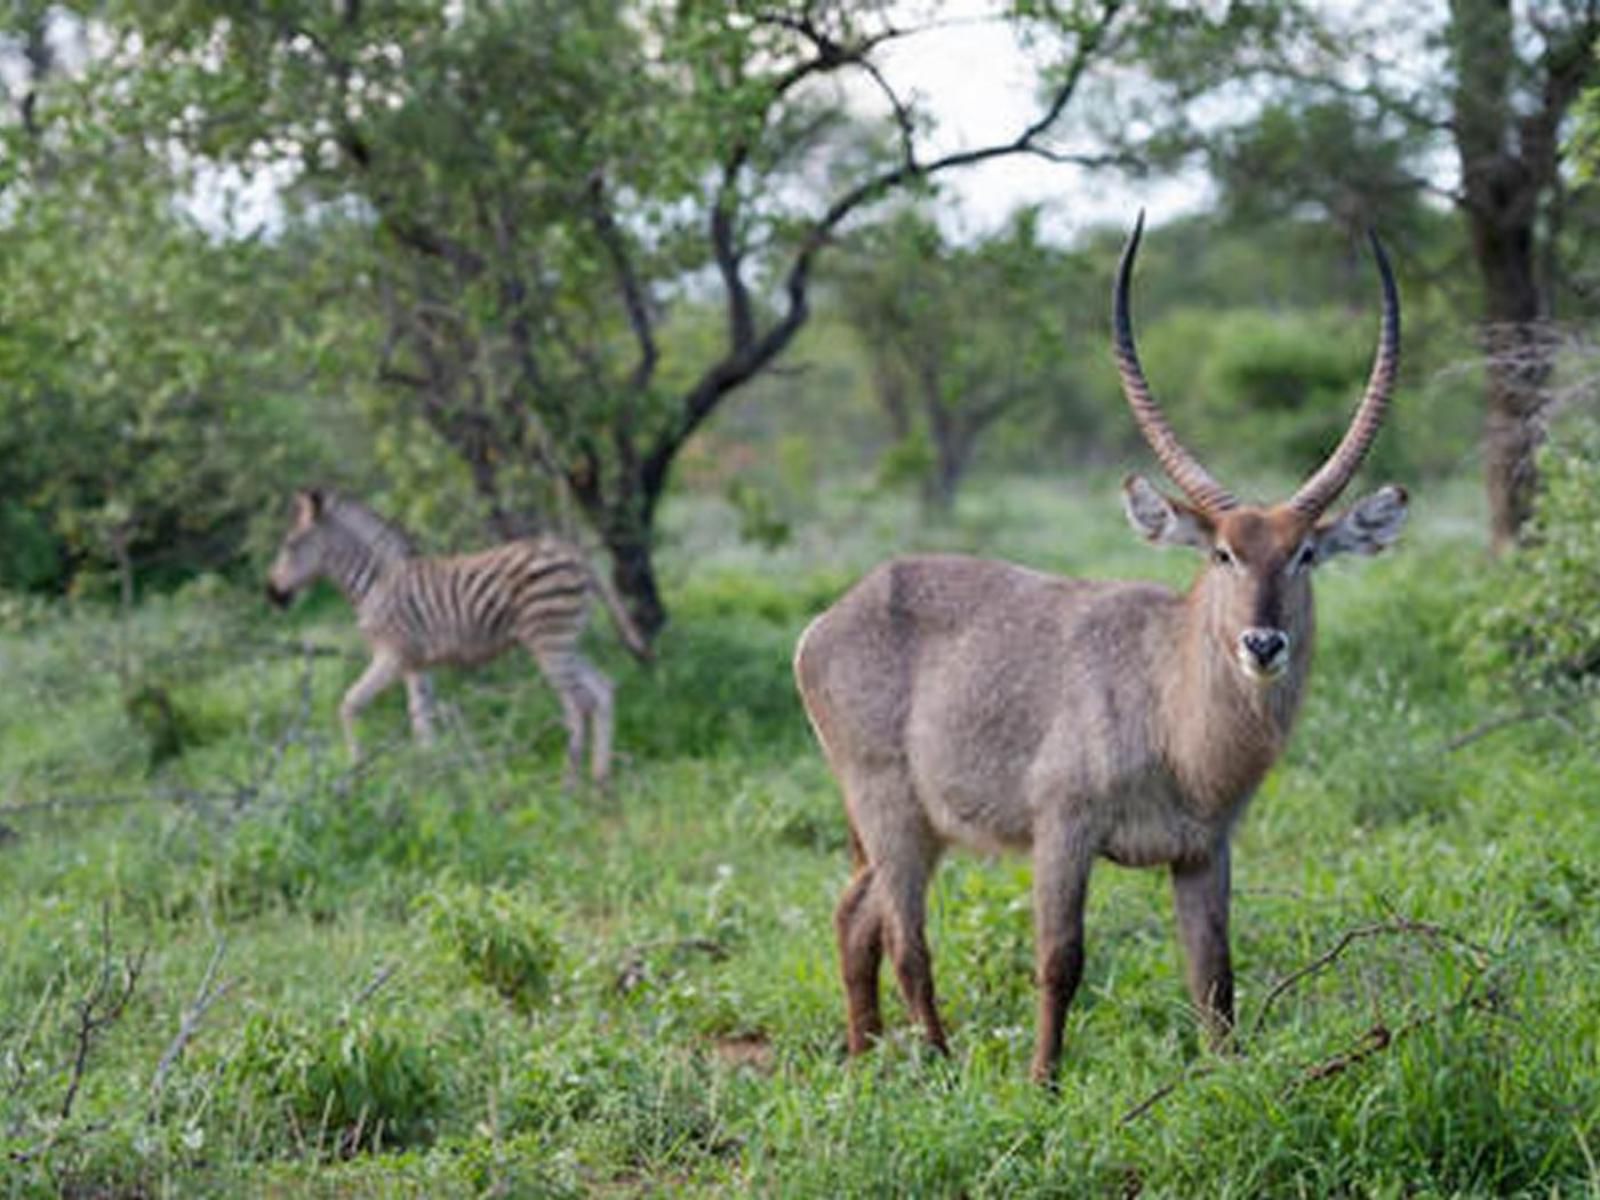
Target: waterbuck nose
[(1266, 647)]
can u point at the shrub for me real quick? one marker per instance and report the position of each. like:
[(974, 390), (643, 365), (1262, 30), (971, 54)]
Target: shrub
[(1253, 387), (358, 1085), (1538, 624), (499, 937)]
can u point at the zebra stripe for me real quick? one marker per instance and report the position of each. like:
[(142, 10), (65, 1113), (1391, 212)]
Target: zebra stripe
[(418, 612)]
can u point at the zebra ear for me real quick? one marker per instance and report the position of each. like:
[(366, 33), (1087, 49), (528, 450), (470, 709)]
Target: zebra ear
[(308, 505)]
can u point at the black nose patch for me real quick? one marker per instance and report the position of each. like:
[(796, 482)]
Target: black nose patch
[(279, 598), (1264, 645)]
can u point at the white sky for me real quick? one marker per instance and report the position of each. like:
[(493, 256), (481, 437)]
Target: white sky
[(981, 86)]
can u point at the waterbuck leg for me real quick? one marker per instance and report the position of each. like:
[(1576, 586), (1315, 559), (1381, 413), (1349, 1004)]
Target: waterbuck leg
[(858, 923), (902, 890), (1060, 886), (1200, 894), (382, 671), (419, 702)]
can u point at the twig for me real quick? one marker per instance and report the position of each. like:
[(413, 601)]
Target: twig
[(370, 989), (1552, 712), (1378, 1038), (1162, 1092), (102, 1007), (55, 803), (1395, 926), (205, 997)]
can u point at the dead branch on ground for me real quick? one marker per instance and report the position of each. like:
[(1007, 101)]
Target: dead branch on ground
[(101, 1007), (206, 995), (1377, 1038)]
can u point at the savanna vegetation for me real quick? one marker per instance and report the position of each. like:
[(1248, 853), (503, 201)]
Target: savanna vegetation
[(688, 282)]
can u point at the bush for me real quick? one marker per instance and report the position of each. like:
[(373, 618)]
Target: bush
[(358, 1085), (1538, 624), (1252, 389), (499, 937)]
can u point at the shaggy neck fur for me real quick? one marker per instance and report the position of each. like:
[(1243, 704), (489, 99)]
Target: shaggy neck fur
[(1224, 729)]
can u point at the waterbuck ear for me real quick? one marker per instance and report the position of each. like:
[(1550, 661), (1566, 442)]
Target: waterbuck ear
[(1161, 520), (1367, 526)]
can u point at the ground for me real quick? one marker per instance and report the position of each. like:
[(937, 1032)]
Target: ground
[(443, 975)]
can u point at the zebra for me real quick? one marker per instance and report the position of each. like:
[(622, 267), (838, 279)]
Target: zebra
[(417, 612)]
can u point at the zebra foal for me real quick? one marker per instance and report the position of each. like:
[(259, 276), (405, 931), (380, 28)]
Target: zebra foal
[(417, 612)]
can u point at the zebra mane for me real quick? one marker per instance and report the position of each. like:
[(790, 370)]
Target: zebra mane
[(382, 537)]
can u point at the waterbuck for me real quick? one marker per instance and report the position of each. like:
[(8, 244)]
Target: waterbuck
[(967, 701)]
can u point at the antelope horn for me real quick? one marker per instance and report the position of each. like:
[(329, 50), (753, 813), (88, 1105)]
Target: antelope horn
[(1185, 470), (1323, 488)]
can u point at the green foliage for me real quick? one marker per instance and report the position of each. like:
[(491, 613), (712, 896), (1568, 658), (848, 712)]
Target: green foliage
[(360, 1084), (759, 522), (30, 558), (1586, 137), (150, 709), (1536, 625), (961, 338), (499, 937), (1340, 159), (152, 406), (639, 992), (1264, 391)]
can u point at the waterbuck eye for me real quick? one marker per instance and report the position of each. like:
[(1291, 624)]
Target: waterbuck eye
[(1222, 556)]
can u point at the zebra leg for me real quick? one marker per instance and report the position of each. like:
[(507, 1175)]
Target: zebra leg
[(568, 677), (382, 671), (597, 688), (563, 673), (419, 702)]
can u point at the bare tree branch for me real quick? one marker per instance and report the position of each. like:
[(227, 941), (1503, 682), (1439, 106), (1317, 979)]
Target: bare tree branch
[(101, 1007), (634, 299), (206, 995), (1380, 1035), (745, 360), (1395, 926)]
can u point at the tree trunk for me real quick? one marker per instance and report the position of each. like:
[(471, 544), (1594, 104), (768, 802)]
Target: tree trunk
[(1519, 365), (634, 574), (952, 452), (626, 525), (1510, 169), (1502, 209)]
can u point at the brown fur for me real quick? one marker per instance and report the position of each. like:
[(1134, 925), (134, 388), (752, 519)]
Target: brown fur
[(982, 704), (972, 702)]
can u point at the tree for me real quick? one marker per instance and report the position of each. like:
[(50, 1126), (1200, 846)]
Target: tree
[(1357, 130), (541, 179), (151, 401), (958, 336), (1508, 108)]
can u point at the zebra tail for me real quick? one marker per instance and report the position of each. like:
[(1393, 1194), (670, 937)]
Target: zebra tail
[(622, 619)]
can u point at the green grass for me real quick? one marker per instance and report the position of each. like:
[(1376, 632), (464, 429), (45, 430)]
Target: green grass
[(444, 976)]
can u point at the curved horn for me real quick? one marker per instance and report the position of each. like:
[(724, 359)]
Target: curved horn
[(1185, 470), (1323, 488)]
